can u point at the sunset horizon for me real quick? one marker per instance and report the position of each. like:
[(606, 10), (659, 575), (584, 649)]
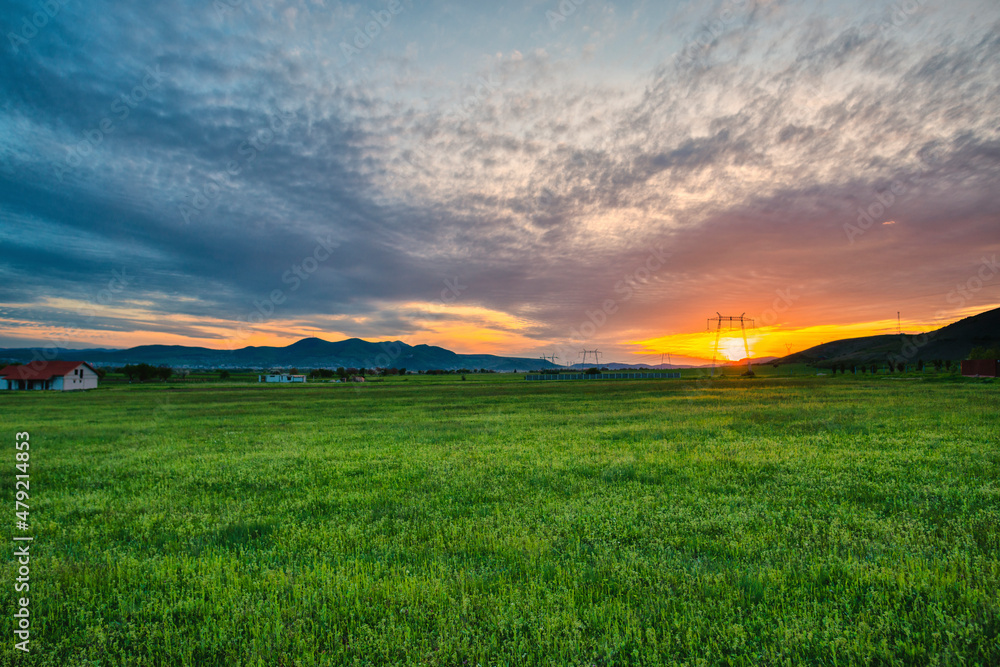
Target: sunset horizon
[(599, 176)]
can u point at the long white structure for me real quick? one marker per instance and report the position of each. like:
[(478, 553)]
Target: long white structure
[(281, 378)]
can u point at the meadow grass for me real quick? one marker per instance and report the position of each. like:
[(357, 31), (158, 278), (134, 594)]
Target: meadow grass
[(835, 521)]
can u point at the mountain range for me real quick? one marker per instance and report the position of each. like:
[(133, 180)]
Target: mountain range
[(306, 353), (953, 342)]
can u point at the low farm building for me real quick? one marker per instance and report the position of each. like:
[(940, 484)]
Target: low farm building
[(51, 375), (989, 368), (281, 378)]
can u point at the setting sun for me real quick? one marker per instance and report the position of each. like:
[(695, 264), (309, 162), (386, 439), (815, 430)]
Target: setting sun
[(732, 349)]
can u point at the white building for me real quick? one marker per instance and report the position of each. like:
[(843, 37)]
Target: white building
[(281, 378), (53, 375)]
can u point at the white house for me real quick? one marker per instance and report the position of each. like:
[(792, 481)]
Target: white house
[(54, 375), (281, 378)]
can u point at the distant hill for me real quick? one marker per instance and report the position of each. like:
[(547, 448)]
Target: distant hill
[(953, 342), (306, 353)]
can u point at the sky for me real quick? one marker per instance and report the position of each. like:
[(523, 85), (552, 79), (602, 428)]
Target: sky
[(524, 178)]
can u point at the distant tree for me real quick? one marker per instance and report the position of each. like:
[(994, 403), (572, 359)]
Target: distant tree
[(892, 366), (293, 371), (223, 375), (402, 371), (164, 373), (937, 365), (142, 372), (463, 377), (949, 364), (874, 369), (983, 352), (591, 371), (182, 373), (101, 372), (920, 365)]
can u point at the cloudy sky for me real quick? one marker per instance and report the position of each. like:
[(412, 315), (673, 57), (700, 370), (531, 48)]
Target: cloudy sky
[(511, 177)]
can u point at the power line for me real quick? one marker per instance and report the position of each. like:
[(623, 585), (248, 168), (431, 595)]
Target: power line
[(731, 320)]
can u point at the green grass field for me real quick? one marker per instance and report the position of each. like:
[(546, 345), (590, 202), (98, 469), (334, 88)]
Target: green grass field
[(805, 520)]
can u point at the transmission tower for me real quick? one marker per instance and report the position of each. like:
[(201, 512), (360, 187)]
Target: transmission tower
[(551, 358), (596, 353), (731, 320)]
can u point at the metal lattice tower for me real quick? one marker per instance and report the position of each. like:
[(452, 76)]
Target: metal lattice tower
[(732, 320), (596, 353), (550, 357)]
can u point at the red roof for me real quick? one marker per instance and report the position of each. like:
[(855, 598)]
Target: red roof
[(42, 370)]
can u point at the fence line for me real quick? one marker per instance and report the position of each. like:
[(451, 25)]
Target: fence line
[(603, 376)]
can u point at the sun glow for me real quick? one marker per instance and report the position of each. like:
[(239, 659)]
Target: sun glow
[(732, 349)]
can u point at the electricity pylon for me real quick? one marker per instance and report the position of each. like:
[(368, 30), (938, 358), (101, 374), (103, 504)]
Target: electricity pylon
[(732, 320)]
